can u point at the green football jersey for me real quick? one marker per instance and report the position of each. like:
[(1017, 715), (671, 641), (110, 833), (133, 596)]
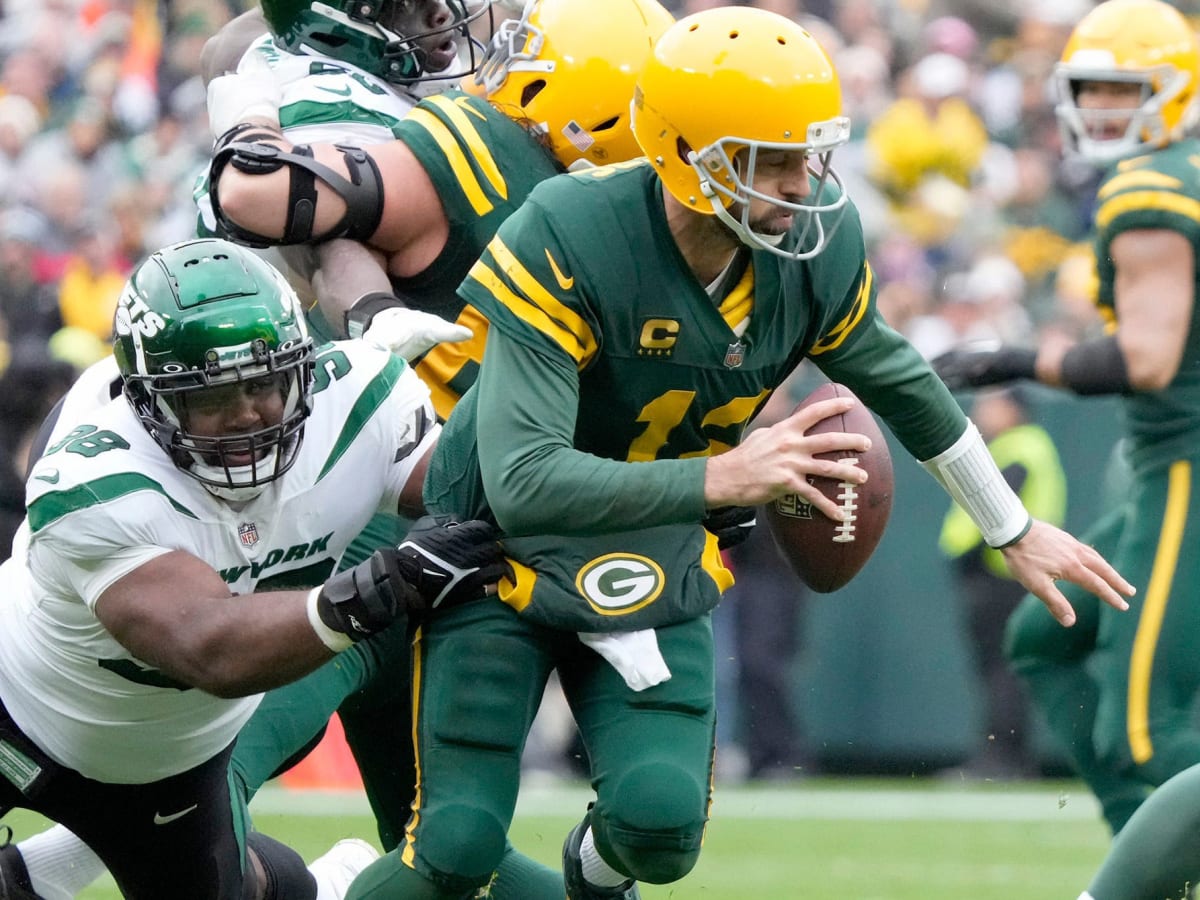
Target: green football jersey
[(1158, 191), (606, 351), (483, 165)]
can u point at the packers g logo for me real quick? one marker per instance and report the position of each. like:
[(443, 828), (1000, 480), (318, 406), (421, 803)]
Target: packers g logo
[(617, 584)]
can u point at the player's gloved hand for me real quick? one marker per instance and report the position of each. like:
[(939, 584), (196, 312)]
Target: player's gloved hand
[(731, 524), (363, 599), (410, 333), (450, 562), (979, 366), (383, 319), (251, 93)]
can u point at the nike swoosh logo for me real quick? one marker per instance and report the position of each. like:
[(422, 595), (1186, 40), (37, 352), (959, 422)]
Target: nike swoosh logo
[(563, 281), (160, 819), (50, 477), (341, 92)]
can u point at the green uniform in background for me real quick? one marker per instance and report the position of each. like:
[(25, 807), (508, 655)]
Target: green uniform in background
[(1118, 688), (603, 342)]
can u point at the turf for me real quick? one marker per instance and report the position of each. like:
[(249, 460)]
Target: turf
[(825, 839)]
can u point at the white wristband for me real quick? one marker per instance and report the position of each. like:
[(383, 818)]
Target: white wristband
[(970, 475), (334, 640)]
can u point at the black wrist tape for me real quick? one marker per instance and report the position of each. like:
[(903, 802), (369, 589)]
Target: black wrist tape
[(1096, 367), (358, 317)]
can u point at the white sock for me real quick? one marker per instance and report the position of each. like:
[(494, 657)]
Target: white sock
[(595, 870), (60, 864)]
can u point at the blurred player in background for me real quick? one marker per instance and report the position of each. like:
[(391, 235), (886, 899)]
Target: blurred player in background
[(1118, 691)]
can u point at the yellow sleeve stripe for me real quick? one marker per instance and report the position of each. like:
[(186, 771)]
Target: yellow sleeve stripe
[(1138, 179), (1164, 201), (574, 337), (459, 164), (838, 334)]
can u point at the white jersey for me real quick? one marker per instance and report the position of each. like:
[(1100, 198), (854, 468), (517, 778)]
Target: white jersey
[(104, 499)]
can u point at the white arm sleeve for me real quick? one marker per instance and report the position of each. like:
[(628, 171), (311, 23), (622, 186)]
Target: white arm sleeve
[(969, 474)]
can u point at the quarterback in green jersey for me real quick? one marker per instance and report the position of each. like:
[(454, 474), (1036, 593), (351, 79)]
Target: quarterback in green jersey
[(1118, 690), (640, 314)]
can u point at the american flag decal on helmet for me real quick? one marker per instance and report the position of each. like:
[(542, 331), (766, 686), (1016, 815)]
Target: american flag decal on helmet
[(580, 138), (248, 534)]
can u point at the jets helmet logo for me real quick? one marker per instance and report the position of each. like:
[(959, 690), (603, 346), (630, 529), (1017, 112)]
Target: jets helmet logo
[(620, 583)]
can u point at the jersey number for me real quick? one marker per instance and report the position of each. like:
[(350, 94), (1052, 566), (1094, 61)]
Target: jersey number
[(665, 412), (87, 440)]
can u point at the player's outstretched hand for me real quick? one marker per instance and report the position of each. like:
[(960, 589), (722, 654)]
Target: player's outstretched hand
[(450, 562), (973, 366), (410, 333), (1048, 554)]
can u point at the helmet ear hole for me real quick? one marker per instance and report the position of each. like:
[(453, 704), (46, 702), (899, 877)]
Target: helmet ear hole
[(531, 91), (684, 150), (606, 125)]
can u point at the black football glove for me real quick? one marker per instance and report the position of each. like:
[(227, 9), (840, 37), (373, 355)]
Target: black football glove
[(450, 562), (368, 597), (967, 367), (731, 524)]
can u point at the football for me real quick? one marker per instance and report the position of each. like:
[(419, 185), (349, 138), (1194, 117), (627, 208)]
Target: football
[(824, 553)]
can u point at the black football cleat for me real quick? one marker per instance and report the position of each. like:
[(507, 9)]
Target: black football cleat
[(577, 887)]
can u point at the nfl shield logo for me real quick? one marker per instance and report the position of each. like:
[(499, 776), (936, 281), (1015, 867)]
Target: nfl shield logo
[(735, 355), (248, 534)]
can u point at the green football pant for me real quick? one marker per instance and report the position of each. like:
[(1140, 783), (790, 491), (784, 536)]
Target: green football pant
[(1117, 688), (1157, 854), (480, 671)]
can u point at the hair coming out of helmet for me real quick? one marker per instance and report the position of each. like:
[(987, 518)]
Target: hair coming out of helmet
[(194, 319)]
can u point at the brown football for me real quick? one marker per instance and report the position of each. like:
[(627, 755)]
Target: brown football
[(824, 553)]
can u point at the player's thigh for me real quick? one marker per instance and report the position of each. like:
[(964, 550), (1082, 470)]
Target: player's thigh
[(1154, 641), (180, 837), (479, 672), (651, 750)]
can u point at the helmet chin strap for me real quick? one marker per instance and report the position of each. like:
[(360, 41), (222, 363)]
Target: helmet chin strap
[(210, 476)]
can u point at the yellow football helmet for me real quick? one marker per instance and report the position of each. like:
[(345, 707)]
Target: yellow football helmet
[(569, 70), (1145, 42), (733, 79)]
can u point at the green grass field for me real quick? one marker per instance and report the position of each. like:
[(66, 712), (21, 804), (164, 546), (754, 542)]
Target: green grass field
[(818, 839)]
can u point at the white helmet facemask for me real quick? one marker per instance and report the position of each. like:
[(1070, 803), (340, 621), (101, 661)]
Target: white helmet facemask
[(720, 168)]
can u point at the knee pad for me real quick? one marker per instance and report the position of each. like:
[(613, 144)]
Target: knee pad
[(459, 846), (653, 821), (285, 872)]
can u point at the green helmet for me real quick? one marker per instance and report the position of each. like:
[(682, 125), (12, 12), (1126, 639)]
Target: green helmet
[(198, 316), (400, 41)]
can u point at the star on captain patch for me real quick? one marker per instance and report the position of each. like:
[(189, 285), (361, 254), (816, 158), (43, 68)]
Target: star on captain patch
[(735, 355), (248, 534)]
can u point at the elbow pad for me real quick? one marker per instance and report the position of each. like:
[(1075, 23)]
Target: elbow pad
[(362, 191)]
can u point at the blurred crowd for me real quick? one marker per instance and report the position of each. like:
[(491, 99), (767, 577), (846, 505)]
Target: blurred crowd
[(977, 227)]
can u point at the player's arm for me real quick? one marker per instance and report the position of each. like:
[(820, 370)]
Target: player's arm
[(1155, 280), (175, 612)]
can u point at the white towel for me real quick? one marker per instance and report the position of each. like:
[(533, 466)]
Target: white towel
[(634, 654)]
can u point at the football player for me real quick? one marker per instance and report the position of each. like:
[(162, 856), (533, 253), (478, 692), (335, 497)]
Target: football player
[(167, 559), (660, 302), (1118, 690)]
